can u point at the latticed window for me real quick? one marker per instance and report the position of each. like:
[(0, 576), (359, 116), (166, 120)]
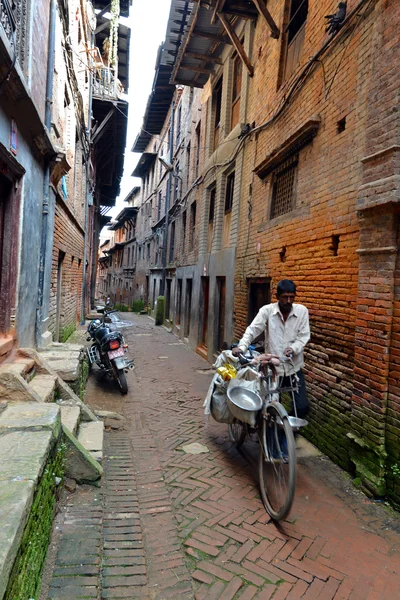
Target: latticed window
[(13, 18), (284, 187)]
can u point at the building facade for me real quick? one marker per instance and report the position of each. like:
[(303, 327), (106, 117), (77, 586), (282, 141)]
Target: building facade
[(298, 179), (61, 110)]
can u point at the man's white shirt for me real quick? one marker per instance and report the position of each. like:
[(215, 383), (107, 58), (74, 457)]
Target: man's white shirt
[(280, 334)]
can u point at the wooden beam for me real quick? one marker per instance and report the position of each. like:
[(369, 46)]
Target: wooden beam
[(218, 8), (205, 57), (195, 69), (222, 39), (236, 42), (264, 12), (242, 14), (101, 27), (103, 126)]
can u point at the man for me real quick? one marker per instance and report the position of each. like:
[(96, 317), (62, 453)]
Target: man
[(287, 331)]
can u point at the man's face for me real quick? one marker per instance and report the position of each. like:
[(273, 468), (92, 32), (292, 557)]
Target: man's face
[(285, 301)]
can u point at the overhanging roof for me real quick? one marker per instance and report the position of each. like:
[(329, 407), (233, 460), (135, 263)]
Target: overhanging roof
[(126, 213), (133, 193), (158, 103), (197, 33), (109, 148), (145, 163)]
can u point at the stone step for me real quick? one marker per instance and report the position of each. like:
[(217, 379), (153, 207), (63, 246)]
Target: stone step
[(70, 417), (44, 386), (24, 367), (91, 437)]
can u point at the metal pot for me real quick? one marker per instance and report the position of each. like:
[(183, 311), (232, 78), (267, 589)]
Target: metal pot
[(244, 404)]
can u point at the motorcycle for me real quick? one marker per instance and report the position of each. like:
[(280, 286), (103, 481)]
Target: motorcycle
[(108, 349)]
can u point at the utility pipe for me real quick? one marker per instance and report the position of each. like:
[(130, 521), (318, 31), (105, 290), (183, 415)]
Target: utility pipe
[(167, 201), (46, 179), (88, 132)]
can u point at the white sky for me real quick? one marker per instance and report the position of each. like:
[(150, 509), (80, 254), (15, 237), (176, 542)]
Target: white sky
[(148, 22)]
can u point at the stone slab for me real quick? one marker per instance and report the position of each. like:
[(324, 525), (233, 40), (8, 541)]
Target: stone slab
[(23, 454), (70, 417), (14, 388), (31, 416), (21, 366), (91, 435), (79, 463), (44, 386), (15, 504), (67, 369), (59, 346), (304, 449), (69, 397)]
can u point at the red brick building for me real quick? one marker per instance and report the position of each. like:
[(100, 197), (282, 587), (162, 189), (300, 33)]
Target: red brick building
[(314, 198)]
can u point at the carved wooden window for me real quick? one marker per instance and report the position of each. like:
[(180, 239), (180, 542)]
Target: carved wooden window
[(284, 187), (198, 127), (236, 90), (172, 242), (230, 185), (217, 102), (295, 33), (192, 225), (13, 18), (183, 230)]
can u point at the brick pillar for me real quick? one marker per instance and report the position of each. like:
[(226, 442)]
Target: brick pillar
[(377, 205)]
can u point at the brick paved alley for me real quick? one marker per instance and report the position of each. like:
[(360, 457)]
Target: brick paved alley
[(166, 524)]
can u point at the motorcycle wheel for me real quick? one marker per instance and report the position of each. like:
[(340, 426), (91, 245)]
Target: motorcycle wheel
[(121, 380)]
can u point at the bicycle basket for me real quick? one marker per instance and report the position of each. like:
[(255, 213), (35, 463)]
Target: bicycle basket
[(244, 403)]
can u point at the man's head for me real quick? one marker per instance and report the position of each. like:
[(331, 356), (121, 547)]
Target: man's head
[(286, 293)]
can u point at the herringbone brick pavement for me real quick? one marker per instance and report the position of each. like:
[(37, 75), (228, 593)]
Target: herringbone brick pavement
[(196, 522)]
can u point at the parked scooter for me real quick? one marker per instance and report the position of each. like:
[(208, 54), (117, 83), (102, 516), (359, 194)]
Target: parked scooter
[(108, 349)]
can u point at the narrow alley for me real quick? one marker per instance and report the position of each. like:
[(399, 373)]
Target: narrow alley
[(166, 524)]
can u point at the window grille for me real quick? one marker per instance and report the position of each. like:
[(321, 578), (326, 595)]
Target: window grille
[(284, 187)]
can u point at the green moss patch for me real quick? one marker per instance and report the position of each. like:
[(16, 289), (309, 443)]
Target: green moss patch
[(25, 578)]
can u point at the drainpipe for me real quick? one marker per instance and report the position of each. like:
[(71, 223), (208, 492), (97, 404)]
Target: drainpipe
[(88, 132), (46, 180), (167, 202)]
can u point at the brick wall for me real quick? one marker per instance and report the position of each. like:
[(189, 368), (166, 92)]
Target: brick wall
[(320, 243), (68, 248)]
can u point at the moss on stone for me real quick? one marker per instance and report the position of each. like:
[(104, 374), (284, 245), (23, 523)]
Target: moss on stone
[(66, 332), (25, 578)]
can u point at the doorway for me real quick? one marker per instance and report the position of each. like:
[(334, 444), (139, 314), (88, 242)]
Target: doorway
[(221, 295), (61, 256), (205, 293), (188, 306), (259, 294), (168, 300)]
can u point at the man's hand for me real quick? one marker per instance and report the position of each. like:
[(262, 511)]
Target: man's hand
[(288, 352), (236, 351)]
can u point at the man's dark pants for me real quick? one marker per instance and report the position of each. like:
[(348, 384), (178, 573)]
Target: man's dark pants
[(300, 397)]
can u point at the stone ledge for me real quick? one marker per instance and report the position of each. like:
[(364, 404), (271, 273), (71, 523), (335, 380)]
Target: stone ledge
[(28, 434), (15, 503)]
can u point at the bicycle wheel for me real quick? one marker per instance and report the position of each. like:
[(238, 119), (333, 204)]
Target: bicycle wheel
[(277, 463), (237, 432)]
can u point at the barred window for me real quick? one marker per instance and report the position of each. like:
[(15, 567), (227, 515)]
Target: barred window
[(284, 187)]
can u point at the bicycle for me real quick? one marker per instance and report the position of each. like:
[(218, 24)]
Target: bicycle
[(274, 427)]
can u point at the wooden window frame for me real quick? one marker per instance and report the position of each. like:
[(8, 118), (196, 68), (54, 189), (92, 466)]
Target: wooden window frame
[(237, 73)]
